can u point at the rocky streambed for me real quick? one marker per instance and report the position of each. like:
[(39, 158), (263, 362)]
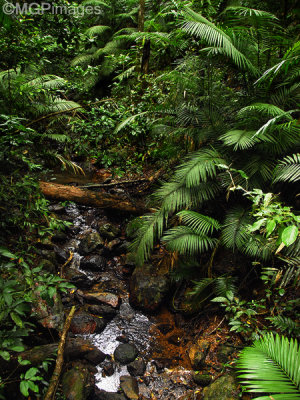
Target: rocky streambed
[(123, 341)]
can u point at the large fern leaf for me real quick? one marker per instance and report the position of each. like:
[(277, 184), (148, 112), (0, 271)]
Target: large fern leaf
[(272, 365)]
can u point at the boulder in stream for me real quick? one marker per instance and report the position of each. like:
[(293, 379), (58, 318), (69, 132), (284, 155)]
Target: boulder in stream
[(93, 263), (148, 289), (104, 310), (198, 352), (125, 353), (137, 367), (83, 323), (130, 387), (90, 242), (108, 231), (47, 314), (77, 382), (101, 297), (103, 395), (76, 348), (223, 388)]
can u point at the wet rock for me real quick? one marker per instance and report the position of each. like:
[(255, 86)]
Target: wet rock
[(224, 352), (48, 266), (202, 379), (198, 352), (93, 263), (47, 254), (224, 388), (175, 340), (61, 255), (48, 313), (59, 237), (130, 387), (102, 395), (103, 310), (85, 323), (108, 368), (165, 328), (92, 241), (45, 243), (107, 298), (76, 348), (125, 353), (114, 245), (137, 367), (57, 208), (108, 231), (122, 339), (76, 277), (77, 383), (147, 289)]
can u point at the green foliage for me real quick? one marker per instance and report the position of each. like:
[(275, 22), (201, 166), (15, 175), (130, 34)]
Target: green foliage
[(271, 365)]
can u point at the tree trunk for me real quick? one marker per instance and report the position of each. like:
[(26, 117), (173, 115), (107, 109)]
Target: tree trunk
[(89, 198), (145, 58), (141, 16)]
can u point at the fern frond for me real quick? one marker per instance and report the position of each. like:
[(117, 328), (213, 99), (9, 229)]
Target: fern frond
[(83, 59), (286, 324), (97, 3), (288, 169), (47, 82), (62, 138), (62, 105), (126, 74), (271, 365), (97, 30)]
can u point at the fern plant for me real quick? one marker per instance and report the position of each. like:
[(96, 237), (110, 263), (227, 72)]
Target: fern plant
[(271, 365)]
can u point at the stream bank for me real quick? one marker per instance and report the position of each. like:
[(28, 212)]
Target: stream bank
[(124, 341)]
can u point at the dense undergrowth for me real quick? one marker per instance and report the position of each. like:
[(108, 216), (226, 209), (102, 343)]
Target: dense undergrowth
[(211, 86)]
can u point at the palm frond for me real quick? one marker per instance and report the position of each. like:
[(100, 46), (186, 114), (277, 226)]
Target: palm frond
[(271, 365), (240, 139), (235, 233), (199, 26), (288, 170), (187, 241), (128, 120), (201, 224), (264, 109), (150, 231)]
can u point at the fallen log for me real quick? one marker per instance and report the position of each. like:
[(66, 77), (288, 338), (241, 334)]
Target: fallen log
[(90, 198)]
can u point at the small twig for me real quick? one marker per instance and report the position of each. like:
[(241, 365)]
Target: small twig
[(60, 358), (216, 327), (66, 263)]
